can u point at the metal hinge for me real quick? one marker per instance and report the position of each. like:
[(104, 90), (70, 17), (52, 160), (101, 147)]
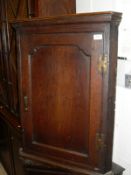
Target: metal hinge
[(103, 64), (25, 103), (100, 141)]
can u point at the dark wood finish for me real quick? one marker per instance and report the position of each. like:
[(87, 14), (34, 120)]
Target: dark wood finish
[(37, 170), (3, 85), (44, 8), (53, 78), (10, 10), (10, 126), (10, 141), (67, 89), (5, 154)]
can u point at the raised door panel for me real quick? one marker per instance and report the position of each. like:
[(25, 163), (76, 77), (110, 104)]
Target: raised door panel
[(61, 98), (60, 83)]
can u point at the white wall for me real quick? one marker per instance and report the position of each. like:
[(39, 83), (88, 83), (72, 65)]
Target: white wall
[(122, 134), (94, 5), (83, 6)]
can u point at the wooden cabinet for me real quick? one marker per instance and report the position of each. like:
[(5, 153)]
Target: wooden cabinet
[(57, 88), (116, 170), (66, 77), (44, 8), (3, 86), (11, 11), (10, 142), (10, 121)]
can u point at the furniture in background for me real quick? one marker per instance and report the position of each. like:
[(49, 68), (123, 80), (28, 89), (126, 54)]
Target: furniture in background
[(57, 88), (10, 124)]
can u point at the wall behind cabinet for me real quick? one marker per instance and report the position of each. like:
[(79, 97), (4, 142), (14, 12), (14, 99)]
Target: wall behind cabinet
[(94, 5)]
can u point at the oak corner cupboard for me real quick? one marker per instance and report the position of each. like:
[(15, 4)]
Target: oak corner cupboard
[(66, 77), (57, 88)]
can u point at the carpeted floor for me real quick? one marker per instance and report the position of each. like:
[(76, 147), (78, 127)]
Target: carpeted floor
[(2, 171)]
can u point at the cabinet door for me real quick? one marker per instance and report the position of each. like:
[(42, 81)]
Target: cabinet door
[(61, 96)]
